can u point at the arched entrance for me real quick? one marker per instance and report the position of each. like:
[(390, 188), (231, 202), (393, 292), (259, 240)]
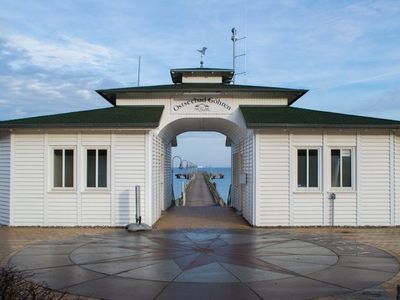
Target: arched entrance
[(238, 138)]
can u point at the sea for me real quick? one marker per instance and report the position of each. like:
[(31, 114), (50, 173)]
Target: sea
[(222, 184)]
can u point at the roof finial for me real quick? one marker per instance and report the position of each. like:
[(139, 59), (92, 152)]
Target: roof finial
[(202, 53)]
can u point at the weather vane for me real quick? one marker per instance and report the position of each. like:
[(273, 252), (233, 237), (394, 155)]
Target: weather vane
[(202, 53)]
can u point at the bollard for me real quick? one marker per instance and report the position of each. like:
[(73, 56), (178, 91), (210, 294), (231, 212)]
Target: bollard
[(137, 197)]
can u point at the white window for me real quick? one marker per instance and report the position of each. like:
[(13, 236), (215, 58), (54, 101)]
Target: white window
[(307, 168), (341, 168), (63, 168), (97, 168)]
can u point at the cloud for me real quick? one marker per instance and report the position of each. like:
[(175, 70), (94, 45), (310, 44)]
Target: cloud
[(63, 52)]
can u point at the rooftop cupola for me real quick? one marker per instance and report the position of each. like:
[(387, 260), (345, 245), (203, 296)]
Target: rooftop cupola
[(201, 75)]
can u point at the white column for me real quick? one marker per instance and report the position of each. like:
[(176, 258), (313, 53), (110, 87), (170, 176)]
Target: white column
[(392, 182), (148, 183)]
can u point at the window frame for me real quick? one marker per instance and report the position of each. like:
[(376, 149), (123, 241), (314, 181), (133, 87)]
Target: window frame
[(352, 171), (85, 170), (74, 171), (319, 170)]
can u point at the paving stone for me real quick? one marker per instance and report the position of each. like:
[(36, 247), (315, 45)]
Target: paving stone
[(118, 266), (312, 259), (295, 289), (208, 273), (61, 277), (162, 271), (295, 266), (246, 274), (213, 259), (198, 291), (385, 264), (95, 254), (118, 288), (30, 262), (351, 278)]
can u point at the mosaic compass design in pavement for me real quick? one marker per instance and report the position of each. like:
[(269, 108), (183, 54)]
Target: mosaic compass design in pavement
[(259, 263), (206, 257)]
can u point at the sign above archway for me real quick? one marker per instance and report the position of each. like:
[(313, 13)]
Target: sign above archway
[(200, 104)]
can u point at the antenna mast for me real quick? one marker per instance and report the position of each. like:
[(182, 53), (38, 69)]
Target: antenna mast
[(234, 39), (138, 73)]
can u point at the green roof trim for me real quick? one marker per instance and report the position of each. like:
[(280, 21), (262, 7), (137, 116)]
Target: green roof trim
[(283, 116), (120, 117), (226, 74), (292, 94)]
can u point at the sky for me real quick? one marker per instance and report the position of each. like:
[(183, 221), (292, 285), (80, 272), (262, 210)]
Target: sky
[(54, 54)]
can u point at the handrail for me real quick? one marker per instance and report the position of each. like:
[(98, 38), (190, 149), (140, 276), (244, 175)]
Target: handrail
[(229, 199), (216, 196)]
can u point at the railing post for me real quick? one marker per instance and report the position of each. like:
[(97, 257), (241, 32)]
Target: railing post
[(183, 193), (137, 197)]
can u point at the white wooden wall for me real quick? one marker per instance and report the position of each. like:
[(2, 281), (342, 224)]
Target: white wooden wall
[(161, 177), (242, 193), (374, 200), (34, 202), (374, 189), (167, 177), (5, 146), (397, 180), (157, 195), (272, 175)]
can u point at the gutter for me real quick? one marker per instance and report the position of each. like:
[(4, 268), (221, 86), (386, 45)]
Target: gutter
[(339, 126)]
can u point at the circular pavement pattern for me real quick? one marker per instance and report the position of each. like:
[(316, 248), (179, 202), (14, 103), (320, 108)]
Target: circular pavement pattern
[(206, 264)]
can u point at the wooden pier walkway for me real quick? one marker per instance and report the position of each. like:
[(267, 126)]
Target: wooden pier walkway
[(200, 211), (198, 193)]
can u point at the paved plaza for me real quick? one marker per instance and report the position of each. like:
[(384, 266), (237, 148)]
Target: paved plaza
[(212, 264)]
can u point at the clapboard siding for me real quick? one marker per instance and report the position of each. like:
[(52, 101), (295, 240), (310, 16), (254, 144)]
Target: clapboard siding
[(158, 152), (247, 148), (272, 190), (368, 201), (167, 177), (62, 209), (5, 150), (129, 170), (96, 209), (28, 179), (36, 203), (374, 179), (345, 209), (307, 209), (397, 178)]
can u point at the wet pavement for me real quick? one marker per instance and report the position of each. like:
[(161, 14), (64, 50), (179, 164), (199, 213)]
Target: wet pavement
[(208, 264)]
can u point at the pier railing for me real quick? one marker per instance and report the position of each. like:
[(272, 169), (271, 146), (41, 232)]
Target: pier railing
[(216, 196)]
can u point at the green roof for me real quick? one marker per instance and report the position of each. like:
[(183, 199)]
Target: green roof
[(292, 94), (283, 116), (119, 116)]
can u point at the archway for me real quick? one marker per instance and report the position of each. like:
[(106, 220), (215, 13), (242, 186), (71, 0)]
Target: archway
[(238, 138)]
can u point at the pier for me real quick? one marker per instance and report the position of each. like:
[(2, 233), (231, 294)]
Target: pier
[(203, 208), (198, 192)]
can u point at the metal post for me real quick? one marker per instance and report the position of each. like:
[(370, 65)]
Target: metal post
[(138, 73), (137, 197), (234, 39), (332, 197), (183, 193)]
